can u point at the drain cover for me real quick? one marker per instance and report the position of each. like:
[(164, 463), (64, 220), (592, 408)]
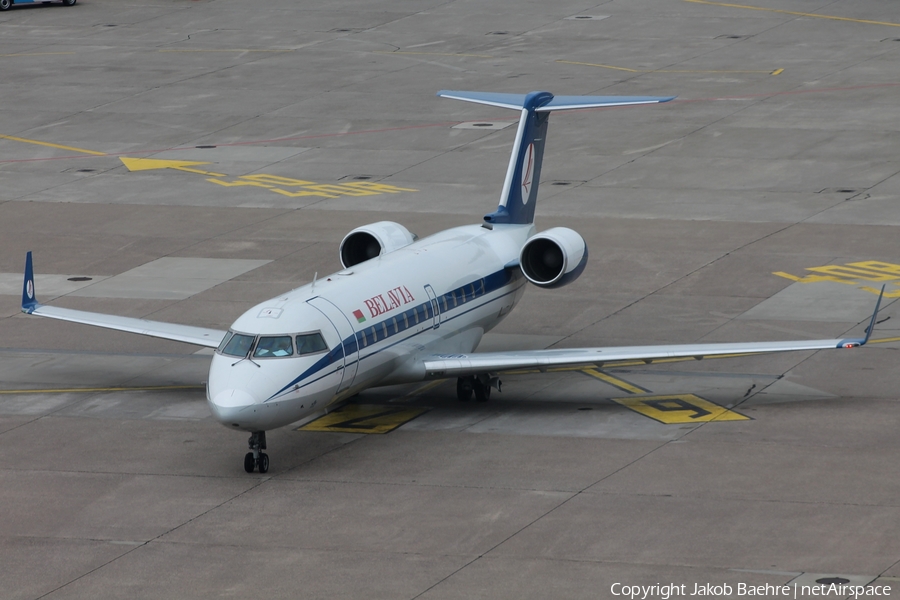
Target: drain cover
[(483, 125), (831, 580), (80, 278)]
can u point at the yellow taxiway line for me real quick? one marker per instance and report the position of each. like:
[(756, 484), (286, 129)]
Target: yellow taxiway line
[(51, 145), (585, 64), (798, 14), (151, 388)]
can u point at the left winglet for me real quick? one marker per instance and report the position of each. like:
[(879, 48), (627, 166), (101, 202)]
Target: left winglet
[(855, 343), (29, 298)]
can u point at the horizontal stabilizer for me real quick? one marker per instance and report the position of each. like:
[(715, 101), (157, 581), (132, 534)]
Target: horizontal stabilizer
[(520, 101), (523, 175)]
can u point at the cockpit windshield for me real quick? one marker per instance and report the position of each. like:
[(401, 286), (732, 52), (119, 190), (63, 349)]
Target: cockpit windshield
[(237, 345), (270, 346)]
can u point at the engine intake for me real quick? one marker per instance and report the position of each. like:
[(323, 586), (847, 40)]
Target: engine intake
[(553, 258), (375, 239)]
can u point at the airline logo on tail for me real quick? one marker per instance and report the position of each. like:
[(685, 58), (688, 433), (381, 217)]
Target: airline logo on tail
[(527, 172)]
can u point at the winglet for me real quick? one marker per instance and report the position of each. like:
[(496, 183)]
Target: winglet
[(29, 300), (855, 343)]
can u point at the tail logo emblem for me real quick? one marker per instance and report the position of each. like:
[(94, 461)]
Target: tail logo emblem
[(29, 289), (527, 173)]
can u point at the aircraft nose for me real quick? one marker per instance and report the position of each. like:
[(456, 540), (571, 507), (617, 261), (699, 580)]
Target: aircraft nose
[(230, 406)]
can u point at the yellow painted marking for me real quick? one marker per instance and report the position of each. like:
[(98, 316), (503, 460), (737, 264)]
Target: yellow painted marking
[(148, 164), (365, 418), (50, 145), (35, 54), (885, 340), (378, 187), (680, 408), (433, 53), (419, 391), (276, 179), (799, 14), (615, 381), (239, 183), (104, 389), (571, 62), (854, 273)]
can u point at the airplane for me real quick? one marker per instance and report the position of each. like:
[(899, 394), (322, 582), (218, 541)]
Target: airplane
[(405, 310)]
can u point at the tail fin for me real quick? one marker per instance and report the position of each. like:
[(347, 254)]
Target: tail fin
[(519, 195)]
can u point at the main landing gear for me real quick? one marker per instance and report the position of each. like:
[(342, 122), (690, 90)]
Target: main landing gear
[(255, 459), (479, 386)]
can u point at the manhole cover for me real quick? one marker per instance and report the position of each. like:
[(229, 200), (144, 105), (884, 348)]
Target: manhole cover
[(80, 278), (835, 580)]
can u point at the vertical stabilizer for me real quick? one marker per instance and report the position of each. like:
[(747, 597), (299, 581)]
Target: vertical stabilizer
[(523, 175)]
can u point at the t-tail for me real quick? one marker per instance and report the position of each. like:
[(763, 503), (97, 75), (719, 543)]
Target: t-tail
[(520, 189)]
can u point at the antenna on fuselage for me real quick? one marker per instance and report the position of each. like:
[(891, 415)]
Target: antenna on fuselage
[(316, 276)]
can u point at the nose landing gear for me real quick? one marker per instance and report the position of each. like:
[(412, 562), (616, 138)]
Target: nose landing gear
[(255, 458)]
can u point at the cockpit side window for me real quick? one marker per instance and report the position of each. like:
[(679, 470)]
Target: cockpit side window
[(238, 345), (310, 343), (274, 346), (224, 341)]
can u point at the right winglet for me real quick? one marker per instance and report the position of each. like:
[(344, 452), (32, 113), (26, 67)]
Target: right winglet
[(29, 299), (855, 343)]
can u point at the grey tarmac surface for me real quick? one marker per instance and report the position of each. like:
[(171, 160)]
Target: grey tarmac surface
[(761, 204)]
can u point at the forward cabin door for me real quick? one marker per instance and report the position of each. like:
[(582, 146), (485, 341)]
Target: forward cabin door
[(350, 361)]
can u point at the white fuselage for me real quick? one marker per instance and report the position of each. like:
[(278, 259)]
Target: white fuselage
[(379, 319)]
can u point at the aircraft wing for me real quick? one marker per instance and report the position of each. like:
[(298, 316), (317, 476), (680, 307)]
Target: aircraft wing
[(199, 336), (457, 365)]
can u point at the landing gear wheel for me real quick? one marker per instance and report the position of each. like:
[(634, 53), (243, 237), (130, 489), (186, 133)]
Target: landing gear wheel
[(255, 458), (482, 391), (5, 4), (68, 2), (464, 387)]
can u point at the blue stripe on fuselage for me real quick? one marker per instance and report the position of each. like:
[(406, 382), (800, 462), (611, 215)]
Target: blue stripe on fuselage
[(381, 331)]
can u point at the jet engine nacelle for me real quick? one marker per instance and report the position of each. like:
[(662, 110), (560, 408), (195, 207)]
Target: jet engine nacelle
[(373, 240), (553, 258)]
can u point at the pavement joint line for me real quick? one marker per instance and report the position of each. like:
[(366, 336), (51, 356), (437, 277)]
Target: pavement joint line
[(432, 53), (797, 14), (274, 50), (35, 54)]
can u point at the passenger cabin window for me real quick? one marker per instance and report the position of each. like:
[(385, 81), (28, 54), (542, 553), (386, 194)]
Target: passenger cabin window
[(275, 346), (310, 343), (238, 345)]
